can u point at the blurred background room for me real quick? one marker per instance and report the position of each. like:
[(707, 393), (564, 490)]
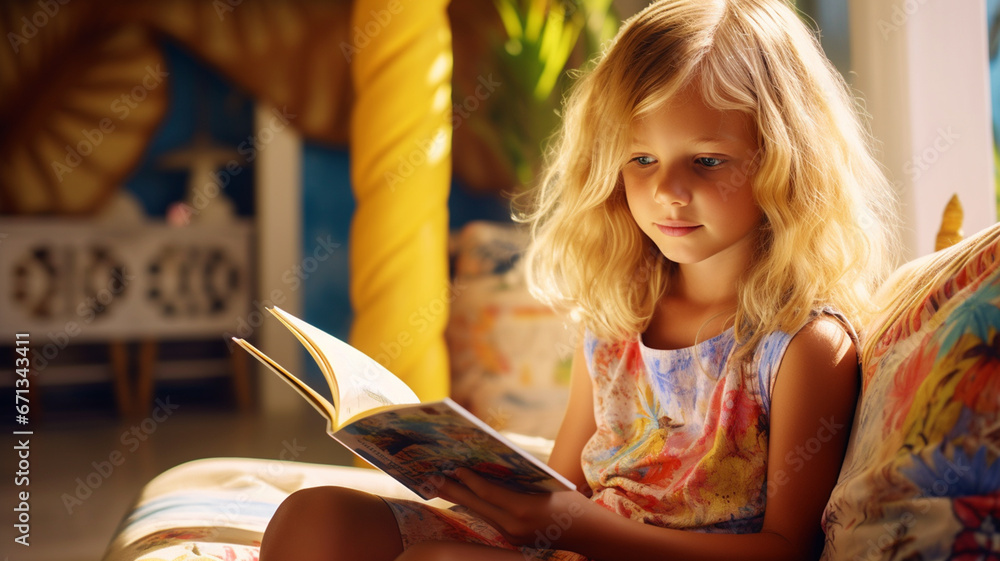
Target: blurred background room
[(169, 169)]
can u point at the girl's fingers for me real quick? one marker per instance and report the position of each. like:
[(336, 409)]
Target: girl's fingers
[(494, 494), (459, 493)]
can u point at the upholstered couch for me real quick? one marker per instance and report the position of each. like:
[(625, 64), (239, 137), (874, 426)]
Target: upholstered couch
[(921, 479)]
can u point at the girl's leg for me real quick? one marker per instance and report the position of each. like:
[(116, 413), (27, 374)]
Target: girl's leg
[(456, 551), (330, 524)]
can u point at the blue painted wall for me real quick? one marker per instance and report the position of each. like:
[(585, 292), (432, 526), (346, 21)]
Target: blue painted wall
[(199, 99), (327, 205)]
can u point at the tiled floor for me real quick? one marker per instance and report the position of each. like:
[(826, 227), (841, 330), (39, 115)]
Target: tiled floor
[(87, 465)]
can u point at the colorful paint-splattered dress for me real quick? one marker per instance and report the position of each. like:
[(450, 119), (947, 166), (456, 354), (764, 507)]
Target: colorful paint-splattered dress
[(681, 441)]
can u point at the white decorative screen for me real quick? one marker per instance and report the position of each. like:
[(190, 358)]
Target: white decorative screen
[(100, 281)]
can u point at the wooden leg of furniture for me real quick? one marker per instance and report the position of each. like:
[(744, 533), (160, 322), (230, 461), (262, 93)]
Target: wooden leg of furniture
[(147, 364), (118, 352), (239, 364)]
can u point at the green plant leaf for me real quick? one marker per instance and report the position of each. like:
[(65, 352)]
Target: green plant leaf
[(510, 18)]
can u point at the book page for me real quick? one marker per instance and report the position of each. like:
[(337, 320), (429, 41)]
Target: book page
[(357, 382), (418, 445), (317, 401)]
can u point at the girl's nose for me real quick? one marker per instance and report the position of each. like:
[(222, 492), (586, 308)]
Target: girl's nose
[(671, 191)]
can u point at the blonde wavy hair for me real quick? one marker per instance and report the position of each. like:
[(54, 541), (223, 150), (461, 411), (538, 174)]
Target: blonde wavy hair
[(829, 220)]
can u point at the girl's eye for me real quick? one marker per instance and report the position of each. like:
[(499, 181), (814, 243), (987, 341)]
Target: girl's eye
[(710, 162), (643, 160)]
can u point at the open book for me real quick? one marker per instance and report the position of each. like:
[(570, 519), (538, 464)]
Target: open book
[(379, 418)]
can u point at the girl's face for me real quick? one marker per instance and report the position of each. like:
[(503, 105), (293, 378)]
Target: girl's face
[(687, 181)]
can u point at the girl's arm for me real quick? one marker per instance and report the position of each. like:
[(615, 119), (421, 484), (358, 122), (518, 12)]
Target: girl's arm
[(578, 423), (811, 410)]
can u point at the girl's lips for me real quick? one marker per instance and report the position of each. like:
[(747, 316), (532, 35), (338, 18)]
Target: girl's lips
[(677, 230)]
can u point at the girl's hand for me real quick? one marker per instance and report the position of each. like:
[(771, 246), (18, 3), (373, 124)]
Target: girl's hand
[(540, 520)]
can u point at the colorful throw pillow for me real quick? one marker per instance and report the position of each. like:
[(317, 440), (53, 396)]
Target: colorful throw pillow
[(921, 479), (510, 355)]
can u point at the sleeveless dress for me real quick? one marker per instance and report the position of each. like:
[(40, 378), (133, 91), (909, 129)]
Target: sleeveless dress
[(681, 441)]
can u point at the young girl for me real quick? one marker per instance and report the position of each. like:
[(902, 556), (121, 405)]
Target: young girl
[(714, 218)]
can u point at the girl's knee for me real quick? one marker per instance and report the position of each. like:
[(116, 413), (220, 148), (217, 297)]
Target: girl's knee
[(337, 522), (329, 501), (304, 504), (311, 497)]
